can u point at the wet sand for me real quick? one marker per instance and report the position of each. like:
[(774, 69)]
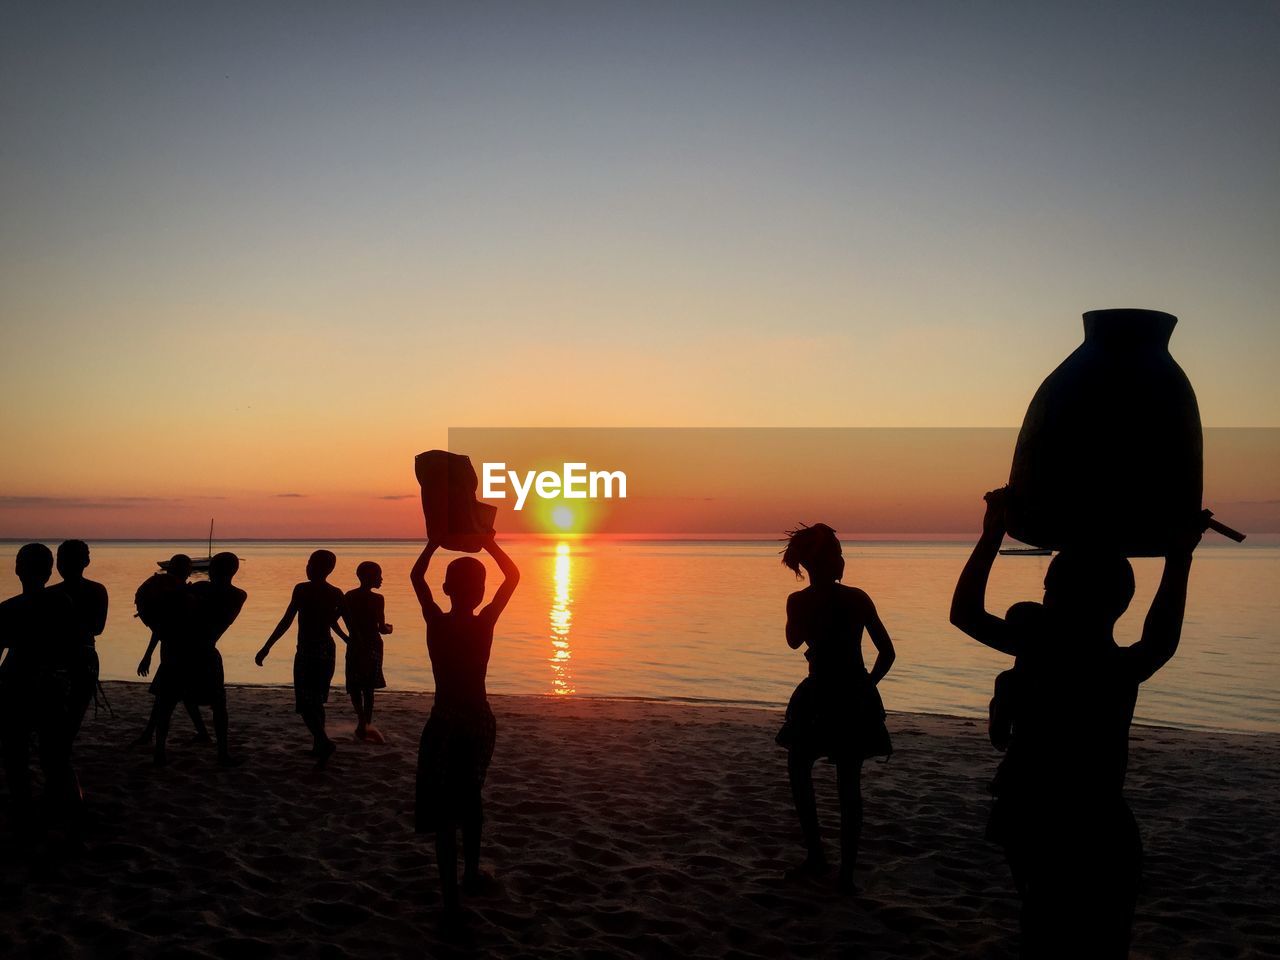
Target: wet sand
[(615, 828)]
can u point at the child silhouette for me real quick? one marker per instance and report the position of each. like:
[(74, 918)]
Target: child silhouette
[(458, 738), (89, 603), (1063, 714), (836, 712), (215, 604), (318, 605), (365, 618)]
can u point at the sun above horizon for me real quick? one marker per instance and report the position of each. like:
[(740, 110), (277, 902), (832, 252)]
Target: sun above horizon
[(562, 517)]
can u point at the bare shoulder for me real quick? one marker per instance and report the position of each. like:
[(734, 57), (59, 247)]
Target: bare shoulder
[(802, 599), (856, 597)]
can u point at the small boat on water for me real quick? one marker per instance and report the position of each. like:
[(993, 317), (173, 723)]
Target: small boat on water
[(198, 564), (1025, 552)]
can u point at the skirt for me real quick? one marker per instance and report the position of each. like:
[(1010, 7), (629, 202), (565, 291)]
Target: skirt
[(837, 720)]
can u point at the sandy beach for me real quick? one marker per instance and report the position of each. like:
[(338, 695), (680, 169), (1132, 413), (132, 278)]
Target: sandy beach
[(615, 828)]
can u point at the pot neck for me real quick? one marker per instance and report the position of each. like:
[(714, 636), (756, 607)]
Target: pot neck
[(1145, 328)]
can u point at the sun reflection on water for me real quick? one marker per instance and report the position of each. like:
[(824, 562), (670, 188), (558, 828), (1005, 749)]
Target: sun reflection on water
[(561, 620)]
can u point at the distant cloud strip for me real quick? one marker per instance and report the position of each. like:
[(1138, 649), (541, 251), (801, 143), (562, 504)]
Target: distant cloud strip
[(11, 502), (82, 503)]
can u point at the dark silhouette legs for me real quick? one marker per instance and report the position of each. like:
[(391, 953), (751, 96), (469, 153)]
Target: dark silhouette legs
[(1079, 888), (15, 742), (162, 714), (800, 772), (153, 722), (82, 691), (472, 824), (362, 701), (471, 819), (447, 863), (53, 728), (322, 746), (849, 786), (220, 730), (197, 721)]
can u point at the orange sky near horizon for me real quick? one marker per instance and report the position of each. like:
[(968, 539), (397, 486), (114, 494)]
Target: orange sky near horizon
[(681, 483)]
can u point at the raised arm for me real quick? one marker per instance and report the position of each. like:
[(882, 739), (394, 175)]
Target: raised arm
[(418, 577), (1162, 629), (510, 577), (969, 602), (885, 654), (285, 622)]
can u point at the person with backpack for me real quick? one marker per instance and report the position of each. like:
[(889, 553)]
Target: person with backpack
[(164, 605), (197, 675), (1063, 714)]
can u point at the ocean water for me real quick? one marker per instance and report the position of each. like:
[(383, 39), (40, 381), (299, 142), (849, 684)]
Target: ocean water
[(704, 621)]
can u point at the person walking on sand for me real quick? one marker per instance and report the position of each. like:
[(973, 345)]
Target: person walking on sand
[(215, 604), (458, 738), (318, 605), (836, 712), (1063, 714), (88, 600), (164, 605), (365, 618)]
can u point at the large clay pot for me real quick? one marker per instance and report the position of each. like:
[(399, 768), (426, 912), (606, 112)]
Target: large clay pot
[(455, 518), (1110, 455)]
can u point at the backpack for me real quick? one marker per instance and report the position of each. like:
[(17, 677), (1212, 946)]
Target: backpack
[(151, 598)]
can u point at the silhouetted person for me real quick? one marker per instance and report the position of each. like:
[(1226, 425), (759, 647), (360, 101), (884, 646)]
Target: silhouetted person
[(366, 620), (164, 605), (1064, 712), (39, 629), (836, 711), (317, 604), (458, 738), (214, 606), (88, 600)]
